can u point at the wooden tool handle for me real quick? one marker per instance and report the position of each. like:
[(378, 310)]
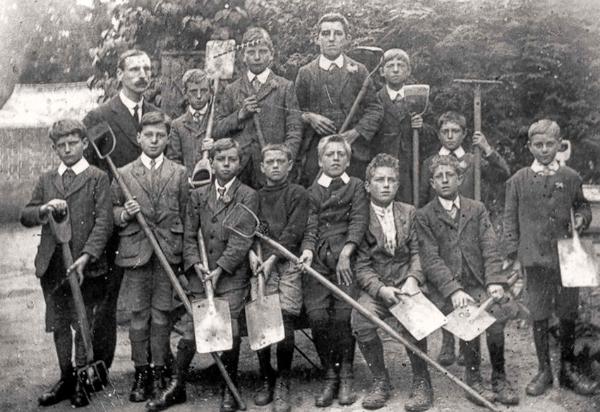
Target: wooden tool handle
[(208, 285), (415, 147), (477, 150), (355, 105), (260, 276), (259, 132)]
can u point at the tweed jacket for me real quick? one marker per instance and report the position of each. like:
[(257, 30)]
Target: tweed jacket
[(445, 245), (375, 266), (224, 248), (279, 116), (537, 214), (163, 206), (90, 213), (493, 169), (185, 140), (309, 86), (123, 126)]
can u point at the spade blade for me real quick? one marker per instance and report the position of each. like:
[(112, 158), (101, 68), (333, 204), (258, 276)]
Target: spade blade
[(264, 321), (212, 325), (469, 322), (418, 315)]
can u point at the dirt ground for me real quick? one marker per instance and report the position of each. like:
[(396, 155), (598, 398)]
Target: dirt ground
[(28, 361)]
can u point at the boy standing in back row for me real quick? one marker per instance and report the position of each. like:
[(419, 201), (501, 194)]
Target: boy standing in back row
[(539, 200)]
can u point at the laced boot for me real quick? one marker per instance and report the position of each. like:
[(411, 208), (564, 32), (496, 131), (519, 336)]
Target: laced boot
[(542, 381), (346, 394), (447, 356), (570, 377), (421, 393), (379, 393), (264, 396), (141, 389), (159, 382), (331, 386), (79, 398), (505, 393), (281, 397), (60, 391)]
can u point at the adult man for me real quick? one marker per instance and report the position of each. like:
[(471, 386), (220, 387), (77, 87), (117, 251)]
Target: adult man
[(123, 113)]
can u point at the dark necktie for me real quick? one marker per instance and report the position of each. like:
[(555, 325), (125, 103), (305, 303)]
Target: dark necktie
[(153, 174), (136, 115), (335, 184), (197, 117), (67, 178), (453, 211), (255, 84)]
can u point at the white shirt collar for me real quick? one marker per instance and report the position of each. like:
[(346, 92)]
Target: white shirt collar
[(325, 180), (459, 153), (382, 211), (201, 111), (325, 63), (227, 186), (262, 77), (395, 93), (537, 167), (130, 104), (146, 161), (447, 204), (77, 168)]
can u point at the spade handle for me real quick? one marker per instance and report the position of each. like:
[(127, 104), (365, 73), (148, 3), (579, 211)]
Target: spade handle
[(477, 150), (260, 276), (415, 155), (208, 285)]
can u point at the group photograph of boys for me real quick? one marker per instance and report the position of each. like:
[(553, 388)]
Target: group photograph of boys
[(317, 220)]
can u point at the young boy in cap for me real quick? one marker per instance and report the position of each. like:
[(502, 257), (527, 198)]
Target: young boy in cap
[(461, 261), (338, 216), (395, 132), (452, 130), (539, 200), (187, 137), (388, 265), (283, 208), (259, 108), (227, 261), (85, 191), (159, 188), (326, 89)]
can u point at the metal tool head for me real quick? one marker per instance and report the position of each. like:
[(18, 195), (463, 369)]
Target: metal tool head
[(202, 174), (242, 221), (99, 133), (60, 225), (370, 56), (468, 322), (212, 325), (264, 321), (478, 81), (219, 62), (418, 315), (576, 257), (416, 97)]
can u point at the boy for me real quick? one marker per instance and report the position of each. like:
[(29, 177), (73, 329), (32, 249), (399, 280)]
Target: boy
[(452, 129), (326, 89), (227, 264), (284, 208), (539, 199), (159, 188), (186, 141), (260, 99), (460, 259), (395, 132), (338, 216), (85, 191), (387, 265)]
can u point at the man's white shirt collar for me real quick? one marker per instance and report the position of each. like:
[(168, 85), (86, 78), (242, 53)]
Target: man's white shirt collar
[(447, 204), (537, 167), (459, 153), (130, 104), (201, 111), (227, 186), (77, 168), (262, 77), (325, 180), (325, 63), (395, 93), (146, 161)]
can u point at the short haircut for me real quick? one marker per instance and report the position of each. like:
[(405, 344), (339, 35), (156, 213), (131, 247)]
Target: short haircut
[(454, 117), (64, 127), (333, 138), (544, 126), (392, 54), (127, 54), (334, 17), (193, 76), (276, 147), (382, 160), (445, 160), (260, 34), (154, 118), (222, 145)]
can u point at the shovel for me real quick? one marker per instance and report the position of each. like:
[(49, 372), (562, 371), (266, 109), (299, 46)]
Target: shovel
[(578, 267), (218, 65), (417, 99), (264, 319), (242, 221), (418, 315), (94, 375), (212, 318)]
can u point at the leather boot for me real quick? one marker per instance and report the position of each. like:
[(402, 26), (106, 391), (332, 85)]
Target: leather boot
[(60, 391), (505, 393), (142, 384), (460, 360), (421, 393), (346, 394), (79, 398), (173, 394), (447, 356), (579, 383), (264, 395), (159, 382), (379, 393), (281, 397), (472, 353), (542, 381), (330, 389)]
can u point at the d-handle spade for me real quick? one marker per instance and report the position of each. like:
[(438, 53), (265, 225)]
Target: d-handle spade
[(577, 262), (417, 98), (202, 174)]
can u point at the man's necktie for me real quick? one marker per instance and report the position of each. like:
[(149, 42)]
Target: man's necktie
[(136, 115), (221, 191), (153, 174), (335, 184), (453, 212), (67, 178), (255, 84), (197, 117)]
